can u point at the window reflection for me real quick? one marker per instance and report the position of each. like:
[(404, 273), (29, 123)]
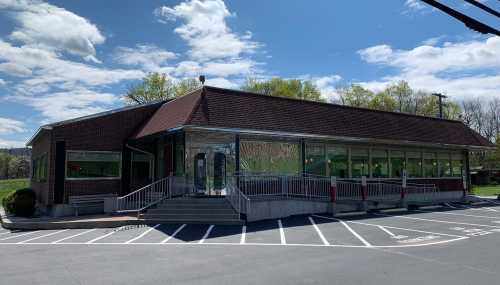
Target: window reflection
[(359, 162)]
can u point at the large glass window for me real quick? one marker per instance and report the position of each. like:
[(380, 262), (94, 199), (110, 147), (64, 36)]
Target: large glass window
[(380, 164), (315, 160), (39, 168), (457, 164), (444, 164), (86, 164), (259, 157), (414, 166), (338, 161), (359, 162), (397, 163), (430, 165)]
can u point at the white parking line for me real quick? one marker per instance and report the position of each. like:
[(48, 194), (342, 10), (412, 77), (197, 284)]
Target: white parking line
[(386, 230), (104, 236), (490, 209), (282, 232), (21, 235), (202, 240), (42, 236), (320, 234), (173, 235), (457, 214), (143, 234), (243, 234), (73, 236), (405, 229), (1, 234), (366, 243), (437, 221)]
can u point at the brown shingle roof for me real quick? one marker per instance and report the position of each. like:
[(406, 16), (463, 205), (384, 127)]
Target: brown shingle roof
[(224, 108)]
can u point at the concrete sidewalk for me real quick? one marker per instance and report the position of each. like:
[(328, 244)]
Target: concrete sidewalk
[(81, 222)]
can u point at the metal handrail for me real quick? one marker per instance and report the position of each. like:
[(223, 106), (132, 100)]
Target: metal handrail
[(239, 201), (146, 196)]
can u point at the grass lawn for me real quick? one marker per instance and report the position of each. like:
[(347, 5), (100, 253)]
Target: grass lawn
[(9, 185), (486, 190)]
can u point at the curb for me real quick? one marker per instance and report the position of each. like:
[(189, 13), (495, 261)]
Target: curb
[(10, 225)]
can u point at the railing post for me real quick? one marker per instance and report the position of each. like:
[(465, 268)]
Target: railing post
[(464, 183), (170, 184), (364, 192), (403, 189), (333, 194)]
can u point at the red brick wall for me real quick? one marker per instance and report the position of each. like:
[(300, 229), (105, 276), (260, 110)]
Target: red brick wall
[(42, 146), (105, 133)]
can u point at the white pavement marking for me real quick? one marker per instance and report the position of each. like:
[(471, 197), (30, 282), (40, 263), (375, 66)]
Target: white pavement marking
[(21, 235), (73, 236), (437, 221), (386, 230), (457, 214), (104, 236), (1, 234), (202, 240), (143, 234), (42, 236), (243, 234), (450, 206), (320, 234), (490, 209), (282, 232), (366, 243), (405, 229), (173, 235)]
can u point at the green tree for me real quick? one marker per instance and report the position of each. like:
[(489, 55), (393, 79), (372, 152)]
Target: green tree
[(382, 101), (156, 86), (355, 96), (291, 88)]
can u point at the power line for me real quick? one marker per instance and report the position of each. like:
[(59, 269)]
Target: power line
[(483, 7), (468, 21)]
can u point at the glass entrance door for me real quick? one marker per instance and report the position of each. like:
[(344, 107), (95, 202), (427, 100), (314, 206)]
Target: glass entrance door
[(219, 172), (210, 173), (200, 172)]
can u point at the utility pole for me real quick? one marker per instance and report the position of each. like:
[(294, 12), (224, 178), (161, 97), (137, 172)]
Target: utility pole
[(440, 98)]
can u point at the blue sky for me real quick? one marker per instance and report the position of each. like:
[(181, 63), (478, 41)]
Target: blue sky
[(64, 59)]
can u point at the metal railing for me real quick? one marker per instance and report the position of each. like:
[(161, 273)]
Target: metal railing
[(146, 196), (273, 186), (421, 192), (239, 201)]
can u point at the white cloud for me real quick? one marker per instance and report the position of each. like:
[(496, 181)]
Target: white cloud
[(47, 67), (222, 83), (233, 67), (2, 82), (415, 5), (205, 30), (65, 105), (446, 68), (326, 85), (148, 56), (46, 26), (9, 126), (11, 143)]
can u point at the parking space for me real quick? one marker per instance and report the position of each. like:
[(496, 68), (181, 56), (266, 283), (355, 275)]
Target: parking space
[(423, 227)]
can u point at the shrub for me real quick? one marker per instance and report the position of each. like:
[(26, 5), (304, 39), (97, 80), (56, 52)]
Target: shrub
[(20, 202)]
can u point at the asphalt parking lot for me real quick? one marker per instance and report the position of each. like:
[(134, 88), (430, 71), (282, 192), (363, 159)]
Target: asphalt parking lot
[(456, 244)]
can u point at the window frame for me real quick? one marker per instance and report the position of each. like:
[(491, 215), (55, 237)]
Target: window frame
[(119, 177)]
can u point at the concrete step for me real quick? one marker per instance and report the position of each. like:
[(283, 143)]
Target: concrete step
[(148, 216), (228, 222), (208, 201), (194, 206), (193, 210)]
